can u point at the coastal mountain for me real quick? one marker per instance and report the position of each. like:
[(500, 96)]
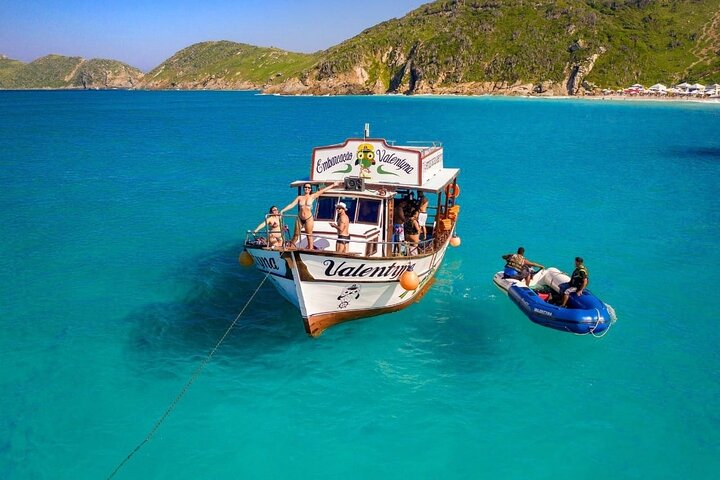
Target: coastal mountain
[(58, 71), (539, 47), (8, 66), (227, 65), (524, 47)]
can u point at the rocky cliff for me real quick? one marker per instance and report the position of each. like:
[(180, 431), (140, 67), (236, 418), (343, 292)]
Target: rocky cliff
[(58, 71), (517, 47)]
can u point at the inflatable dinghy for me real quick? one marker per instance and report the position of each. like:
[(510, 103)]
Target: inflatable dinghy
[(541, 300)]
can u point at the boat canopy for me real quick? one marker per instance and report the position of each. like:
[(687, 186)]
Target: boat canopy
[(380, 164), (435, 184)]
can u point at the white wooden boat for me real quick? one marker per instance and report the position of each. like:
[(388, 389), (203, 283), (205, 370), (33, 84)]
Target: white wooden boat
[(329, 287)]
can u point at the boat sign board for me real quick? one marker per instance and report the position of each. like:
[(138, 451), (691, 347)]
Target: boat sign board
[(376, 162)]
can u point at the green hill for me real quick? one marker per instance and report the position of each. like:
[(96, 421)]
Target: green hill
[(8, 67), (57, 71), (565, 46), (103, 73), (225, 64), (446, 46)]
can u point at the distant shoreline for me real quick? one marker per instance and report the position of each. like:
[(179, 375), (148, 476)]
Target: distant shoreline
[(625, 98), (612, 98)]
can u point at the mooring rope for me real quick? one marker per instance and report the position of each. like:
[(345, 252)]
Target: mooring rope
[(192, 379)]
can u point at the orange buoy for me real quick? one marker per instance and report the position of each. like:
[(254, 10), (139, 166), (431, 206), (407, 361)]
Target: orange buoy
[(245, 259), (455, 241), (409, 279), (456, 191)]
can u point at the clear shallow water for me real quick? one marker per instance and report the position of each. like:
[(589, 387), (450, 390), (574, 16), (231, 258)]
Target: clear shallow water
[(121, 218)]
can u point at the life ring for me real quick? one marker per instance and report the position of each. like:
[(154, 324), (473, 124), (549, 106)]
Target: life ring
[(455, 190)]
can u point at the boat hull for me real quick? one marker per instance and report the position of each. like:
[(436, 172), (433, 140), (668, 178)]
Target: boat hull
[(329, 288), (586, 314), (595, 319)]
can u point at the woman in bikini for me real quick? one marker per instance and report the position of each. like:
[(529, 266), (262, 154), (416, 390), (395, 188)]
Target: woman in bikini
[(412, 232), (305, 214), (274, 230)]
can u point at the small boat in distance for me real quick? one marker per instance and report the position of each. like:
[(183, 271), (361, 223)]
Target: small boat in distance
[(540, 301), (373, 276)]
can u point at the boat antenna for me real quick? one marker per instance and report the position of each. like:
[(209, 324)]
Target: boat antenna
[(367, 130)]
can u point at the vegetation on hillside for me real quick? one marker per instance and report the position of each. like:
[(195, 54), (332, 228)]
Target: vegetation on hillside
[(8, 67), (445, 43), (453, 41), (104, 73), (58, 71), (50, 71), (233, 63)]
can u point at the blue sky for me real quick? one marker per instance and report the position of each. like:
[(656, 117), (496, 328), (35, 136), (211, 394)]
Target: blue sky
[(145, 33)]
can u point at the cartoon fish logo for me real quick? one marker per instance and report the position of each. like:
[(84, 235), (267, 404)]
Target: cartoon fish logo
[(365, 158)]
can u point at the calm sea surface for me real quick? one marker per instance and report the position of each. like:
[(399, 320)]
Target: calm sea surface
[(121, 218)]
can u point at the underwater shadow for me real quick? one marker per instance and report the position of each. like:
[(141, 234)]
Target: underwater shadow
[(217, 288), (699, 153)]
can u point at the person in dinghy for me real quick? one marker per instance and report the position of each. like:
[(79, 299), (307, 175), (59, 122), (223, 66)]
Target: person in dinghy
[(578, 281), (519, 267)]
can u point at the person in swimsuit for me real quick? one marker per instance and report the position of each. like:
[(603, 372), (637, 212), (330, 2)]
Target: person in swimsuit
[(398, 224), (343, 228), (412, 232), (423, 202), (274, 230), (305, 214)]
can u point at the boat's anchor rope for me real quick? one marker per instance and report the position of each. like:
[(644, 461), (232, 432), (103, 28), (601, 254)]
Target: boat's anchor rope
[(592, 330), (192, 379)]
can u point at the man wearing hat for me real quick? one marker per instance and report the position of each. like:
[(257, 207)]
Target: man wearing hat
[(343, 228), (578, 281)]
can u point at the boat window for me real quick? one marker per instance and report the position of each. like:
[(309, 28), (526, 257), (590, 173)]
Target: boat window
[(368, 211), (326, 208), (351, 203)]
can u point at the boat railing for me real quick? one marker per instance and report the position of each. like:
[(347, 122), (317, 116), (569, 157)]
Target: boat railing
[(266, 239)]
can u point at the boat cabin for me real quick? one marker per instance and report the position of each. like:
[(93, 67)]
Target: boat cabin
[(378, 180)]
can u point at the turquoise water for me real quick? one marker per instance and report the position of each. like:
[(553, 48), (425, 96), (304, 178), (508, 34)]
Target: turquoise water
[(121, 218)]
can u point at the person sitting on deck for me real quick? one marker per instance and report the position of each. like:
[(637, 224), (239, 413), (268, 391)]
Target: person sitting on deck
[(274, 230), (518, 267)]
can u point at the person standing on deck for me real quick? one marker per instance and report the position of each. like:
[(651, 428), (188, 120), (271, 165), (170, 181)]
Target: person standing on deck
[(423, 202), (412, 232), (343, 228), (305, 219), (398, 224)]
